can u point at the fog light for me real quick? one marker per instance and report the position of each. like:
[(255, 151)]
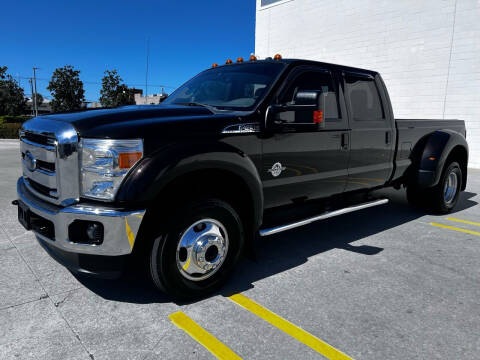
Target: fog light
[(95, 233), (86, 232)]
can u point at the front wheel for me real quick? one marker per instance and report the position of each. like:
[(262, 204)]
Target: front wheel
[(196, 252)]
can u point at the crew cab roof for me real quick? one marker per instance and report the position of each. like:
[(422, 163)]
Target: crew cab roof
[(307, 62)]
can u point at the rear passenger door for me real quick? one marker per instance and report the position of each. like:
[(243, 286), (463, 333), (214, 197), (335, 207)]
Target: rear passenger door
[(371, 136)]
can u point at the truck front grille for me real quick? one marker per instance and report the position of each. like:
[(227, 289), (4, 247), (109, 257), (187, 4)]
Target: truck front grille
[(49, 151), (39, 138), (46, 166), (44, 190), (43, 165)]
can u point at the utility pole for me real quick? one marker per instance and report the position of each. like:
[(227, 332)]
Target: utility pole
[(146, 72), (35, 88), (33, 95)]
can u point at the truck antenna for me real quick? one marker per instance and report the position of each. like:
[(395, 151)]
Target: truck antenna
[(146, 72)]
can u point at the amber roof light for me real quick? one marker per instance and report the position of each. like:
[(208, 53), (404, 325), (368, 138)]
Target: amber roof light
[(229, 61), (214, 65), (239, 59), (253, 58), (277, 57)]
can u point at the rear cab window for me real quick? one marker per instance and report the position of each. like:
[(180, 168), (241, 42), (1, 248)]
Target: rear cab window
[(363, 98)]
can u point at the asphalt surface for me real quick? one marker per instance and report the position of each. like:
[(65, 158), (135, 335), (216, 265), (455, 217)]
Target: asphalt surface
[(383, 283)]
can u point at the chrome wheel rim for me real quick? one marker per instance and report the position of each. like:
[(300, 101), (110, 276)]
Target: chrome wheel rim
[(202, 249), (450, 189)]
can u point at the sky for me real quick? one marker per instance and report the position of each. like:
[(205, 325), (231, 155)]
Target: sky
[(185, 37)]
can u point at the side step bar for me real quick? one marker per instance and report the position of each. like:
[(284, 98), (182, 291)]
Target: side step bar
[(277, 229)]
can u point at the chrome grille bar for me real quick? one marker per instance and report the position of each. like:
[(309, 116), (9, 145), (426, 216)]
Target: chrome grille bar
[(34, 144), (38, 151)]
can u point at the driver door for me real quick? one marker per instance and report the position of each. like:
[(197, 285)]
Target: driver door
[(307, 163)]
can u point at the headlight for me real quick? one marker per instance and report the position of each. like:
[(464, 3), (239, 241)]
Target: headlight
[(104, 164)]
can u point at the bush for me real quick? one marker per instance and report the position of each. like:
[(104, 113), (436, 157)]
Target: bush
[(10, 119), (10, 130)]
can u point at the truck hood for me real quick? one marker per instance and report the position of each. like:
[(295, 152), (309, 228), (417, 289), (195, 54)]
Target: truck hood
[(87, 121), (157, 125)]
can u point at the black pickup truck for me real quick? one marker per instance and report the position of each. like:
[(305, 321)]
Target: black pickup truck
[(240, 151)]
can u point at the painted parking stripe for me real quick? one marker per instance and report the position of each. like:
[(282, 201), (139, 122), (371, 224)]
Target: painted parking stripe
[(294, 331), (456, 229), (203, 337), (464, 221)]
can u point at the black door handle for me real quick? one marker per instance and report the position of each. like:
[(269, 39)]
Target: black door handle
[(387, 137), (344, 144)]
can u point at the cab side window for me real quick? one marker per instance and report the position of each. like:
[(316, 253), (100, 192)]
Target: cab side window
[(314, 80), (364, 98)]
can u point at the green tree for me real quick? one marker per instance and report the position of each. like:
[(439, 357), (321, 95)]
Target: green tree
[(125, 95), (110, 82), (12, 97), (66, 89), (113, 92)]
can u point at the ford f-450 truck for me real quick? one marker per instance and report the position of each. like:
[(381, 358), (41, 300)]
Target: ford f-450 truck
[(240, 151)]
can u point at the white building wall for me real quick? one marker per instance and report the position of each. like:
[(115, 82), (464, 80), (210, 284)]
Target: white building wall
[(427, 51)]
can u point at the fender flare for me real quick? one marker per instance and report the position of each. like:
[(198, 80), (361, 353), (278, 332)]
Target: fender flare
[(152, 174), (438, 146)]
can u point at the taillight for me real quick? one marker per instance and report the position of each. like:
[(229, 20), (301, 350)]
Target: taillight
[(318, 117)]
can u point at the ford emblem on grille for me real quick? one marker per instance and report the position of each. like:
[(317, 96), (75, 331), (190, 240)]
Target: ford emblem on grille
[(30, 161)]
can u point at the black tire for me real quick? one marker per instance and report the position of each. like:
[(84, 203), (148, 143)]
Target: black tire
[(164, 269), (437, 195)]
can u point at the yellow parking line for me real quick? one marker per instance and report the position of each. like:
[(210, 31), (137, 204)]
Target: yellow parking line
[(294, 331), (203, 337), (456, 229), (464, 221)]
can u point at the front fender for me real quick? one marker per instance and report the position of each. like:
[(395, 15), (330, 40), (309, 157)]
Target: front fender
[(154, 173), (437, 148)]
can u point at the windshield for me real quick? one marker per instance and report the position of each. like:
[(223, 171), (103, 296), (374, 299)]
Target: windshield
[(236, 87)]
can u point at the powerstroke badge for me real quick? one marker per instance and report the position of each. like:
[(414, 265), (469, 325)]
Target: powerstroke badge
[(276, 169)]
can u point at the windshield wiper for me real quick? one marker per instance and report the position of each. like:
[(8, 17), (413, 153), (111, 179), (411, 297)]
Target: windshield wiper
[(209, 107)]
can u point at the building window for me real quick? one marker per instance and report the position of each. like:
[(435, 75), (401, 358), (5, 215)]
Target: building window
[(271, 2)]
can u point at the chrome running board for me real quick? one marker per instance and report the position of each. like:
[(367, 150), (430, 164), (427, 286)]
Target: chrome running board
[(277, 229)]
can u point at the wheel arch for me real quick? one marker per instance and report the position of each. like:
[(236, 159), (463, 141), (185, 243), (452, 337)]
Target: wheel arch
[(163, 181), (441, 147), (213, 181)]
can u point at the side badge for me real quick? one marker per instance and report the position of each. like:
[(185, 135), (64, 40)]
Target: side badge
[(276, 169)]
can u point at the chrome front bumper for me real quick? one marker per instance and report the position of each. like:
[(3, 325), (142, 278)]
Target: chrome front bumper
[(120, 227)]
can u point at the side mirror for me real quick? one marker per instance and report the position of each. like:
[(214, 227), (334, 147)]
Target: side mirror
[(306, 112)]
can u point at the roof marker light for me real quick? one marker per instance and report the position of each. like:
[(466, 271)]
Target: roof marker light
[(277, 57), (253, 58), (229, 61), (214, 65), (240, 59)]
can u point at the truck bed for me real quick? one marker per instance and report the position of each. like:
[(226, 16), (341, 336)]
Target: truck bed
[(411, 131)]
